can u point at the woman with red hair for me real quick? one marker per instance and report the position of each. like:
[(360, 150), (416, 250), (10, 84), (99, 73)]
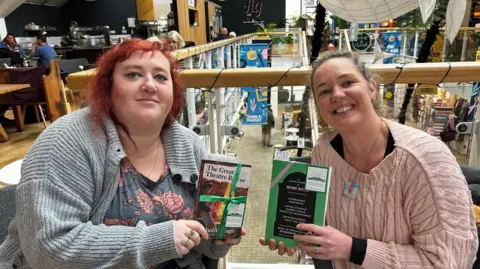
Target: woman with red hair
[(113, 185)]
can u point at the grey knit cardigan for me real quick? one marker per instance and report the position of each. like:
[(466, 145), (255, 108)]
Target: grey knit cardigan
[(69, 178)]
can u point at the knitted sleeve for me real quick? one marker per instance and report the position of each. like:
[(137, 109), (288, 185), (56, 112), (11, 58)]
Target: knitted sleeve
[(438, 205), (54, 201)]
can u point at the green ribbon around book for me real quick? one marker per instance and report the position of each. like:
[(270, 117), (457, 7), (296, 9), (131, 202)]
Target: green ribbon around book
[(227, 200)]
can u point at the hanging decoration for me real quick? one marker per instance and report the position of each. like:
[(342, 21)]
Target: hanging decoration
[(454, 18), (373, 11), (426, 8), (369, 11)]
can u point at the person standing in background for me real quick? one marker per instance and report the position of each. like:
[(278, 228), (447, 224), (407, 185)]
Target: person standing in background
[(223, 34), (267, 128), (43, 51)]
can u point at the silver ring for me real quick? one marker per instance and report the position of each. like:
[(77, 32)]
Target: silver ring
[(187, 243), (316, 250), (192, 232)]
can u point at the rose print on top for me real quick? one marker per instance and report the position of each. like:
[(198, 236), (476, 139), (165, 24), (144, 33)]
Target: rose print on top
[(187, 213), (140, 199), (172, 203), (145, 202)]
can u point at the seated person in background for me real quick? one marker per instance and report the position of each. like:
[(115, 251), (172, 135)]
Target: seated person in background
[(176, 40), (43, 51), (232, 34), (9, 42), (223, 34)]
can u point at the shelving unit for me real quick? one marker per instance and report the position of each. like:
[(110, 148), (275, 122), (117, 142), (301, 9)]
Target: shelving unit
[(440, 118)]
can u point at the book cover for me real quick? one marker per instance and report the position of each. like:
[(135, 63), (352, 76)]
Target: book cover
[(220, 208), (298, 194)]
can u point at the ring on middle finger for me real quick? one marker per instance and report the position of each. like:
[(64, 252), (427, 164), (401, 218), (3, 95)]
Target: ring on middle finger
[(316, 250), (192, 232)]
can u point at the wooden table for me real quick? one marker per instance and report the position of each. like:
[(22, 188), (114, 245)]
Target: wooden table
[(17, 110), (6, 88)]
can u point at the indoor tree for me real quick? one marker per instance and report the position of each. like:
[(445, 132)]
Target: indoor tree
[(413, 20)]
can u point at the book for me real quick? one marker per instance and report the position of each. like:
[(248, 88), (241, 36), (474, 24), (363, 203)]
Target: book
[(213, 196), (298, 194)]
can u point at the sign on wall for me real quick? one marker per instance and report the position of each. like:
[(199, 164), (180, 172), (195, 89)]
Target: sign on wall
[(362, 43), (256, 106), (253, 10)]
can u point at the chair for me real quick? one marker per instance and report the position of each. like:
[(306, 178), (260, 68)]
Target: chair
[(32, 96), (69, 66), (5, 62), (7, 210)]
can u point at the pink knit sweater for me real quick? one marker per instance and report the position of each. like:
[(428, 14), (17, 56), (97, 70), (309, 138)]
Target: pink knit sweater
[(414, 208)]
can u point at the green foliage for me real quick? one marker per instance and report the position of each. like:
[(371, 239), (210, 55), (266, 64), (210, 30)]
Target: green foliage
[(289, 39), (299, 21), (263, 30), (413, 19), (342, 24)]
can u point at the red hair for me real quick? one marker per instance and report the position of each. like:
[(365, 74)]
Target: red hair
[(99, 89)]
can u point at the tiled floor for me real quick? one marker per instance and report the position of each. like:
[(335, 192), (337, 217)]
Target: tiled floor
[(251, 151)]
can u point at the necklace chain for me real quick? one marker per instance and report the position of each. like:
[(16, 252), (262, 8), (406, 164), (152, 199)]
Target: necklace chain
[(156, 156), (371, 149)]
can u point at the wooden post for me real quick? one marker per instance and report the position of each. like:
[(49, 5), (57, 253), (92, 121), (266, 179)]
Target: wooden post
[(3, 134), (19, 121)]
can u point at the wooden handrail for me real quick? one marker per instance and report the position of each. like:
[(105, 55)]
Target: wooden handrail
[(192, 51), (413, 28), (427, 73)]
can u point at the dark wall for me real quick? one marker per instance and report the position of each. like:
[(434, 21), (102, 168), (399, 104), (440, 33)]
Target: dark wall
[(113, 13), (234, 14), (40, 15)]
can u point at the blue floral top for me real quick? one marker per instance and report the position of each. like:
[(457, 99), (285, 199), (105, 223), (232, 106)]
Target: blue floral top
[(139, 198)]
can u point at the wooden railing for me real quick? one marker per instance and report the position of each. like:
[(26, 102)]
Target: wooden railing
[(426, 73), (193, 51)]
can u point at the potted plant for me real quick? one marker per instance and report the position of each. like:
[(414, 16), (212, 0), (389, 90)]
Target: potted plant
[(284, 45), (263, 31)]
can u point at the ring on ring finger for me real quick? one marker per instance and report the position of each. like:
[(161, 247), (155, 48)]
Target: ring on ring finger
[(187, 243), (192, 233), (316, 250)]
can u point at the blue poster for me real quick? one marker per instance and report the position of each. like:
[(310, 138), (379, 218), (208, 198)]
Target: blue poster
[(253, 55), (256, 106), (393, 44)]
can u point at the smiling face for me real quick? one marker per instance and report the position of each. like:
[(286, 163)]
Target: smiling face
[(342, 94), (142, 91)]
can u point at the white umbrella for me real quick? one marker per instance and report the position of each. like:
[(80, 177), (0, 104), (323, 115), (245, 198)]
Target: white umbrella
[(455, 14), (369, 11), (372, 11)]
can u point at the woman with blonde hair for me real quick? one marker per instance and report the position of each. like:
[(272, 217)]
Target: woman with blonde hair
[(397, 198), (176, 40)]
